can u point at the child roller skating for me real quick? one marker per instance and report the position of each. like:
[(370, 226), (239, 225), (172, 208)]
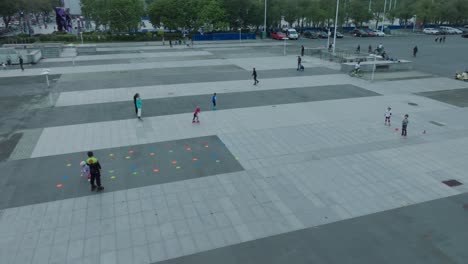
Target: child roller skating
[(85, 170), (195, 115), (387, 115)]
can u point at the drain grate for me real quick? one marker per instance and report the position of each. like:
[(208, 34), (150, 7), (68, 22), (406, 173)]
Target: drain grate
[(452, 183), (437, 123), (413, 104)]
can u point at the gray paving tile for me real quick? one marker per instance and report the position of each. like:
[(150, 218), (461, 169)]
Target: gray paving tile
[(153, 233), (181, 227), (202, 241), (138, 237), (123, 239), (75, 249), (59, 254), (109, 257), (150, 217), (216, 237), (42, 255), (46, 238), (108, 243), (136, 220), (168, 231), (157, 252), (92, 229), (92, 246), (79, 231), (107, 226), (173, 248), (29, 240), (124, 256), (188, 245), (141, 254), (122, 222)]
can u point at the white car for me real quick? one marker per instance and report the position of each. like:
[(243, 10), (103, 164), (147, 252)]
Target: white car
[(451, 30), (292, 33), (378, 33), (431, 31)]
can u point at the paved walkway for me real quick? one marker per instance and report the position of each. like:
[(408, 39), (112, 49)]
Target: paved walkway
[(264, 170)]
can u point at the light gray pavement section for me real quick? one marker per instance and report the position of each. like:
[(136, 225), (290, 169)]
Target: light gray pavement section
[(130, 56), (81, 137), (188, 89), (26, 144)]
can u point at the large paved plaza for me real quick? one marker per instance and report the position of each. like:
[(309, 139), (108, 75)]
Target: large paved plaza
[(297, 169)]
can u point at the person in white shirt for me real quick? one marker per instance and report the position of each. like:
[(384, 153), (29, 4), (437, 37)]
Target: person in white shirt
[(388, 114), (357, 66)]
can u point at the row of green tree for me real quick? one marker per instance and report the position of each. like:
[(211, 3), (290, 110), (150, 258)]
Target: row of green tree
[(311, 13), (124, 15), (11, 8)]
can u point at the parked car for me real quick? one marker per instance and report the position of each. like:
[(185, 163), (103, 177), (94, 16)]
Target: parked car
[(378, 33), (278, 35), (370, 33), (465, 35), (431, 31), (338, 34), (291, 33), (322, 34), (463, 29), (450, 30), (310, 34), (359, 33)]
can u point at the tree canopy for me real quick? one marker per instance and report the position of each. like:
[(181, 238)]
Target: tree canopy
[(124, 15)]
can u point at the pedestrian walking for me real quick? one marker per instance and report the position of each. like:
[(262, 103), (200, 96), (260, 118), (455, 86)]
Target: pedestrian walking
[(370, 49), (21, 62), (299, 60), (302, 50), (138, 105), (388, 115), (358, 49), (4, 66), (170, 43), (404, 125), (195, 115), (191, 42), (436, 39), (415, 51), (9, 61), (213, 100), (330, 47), (254, 74), (95, 171), (134, 103), (443, 39), (440, 40)]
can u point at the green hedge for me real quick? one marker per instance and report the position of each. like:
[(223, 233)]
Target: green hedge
[(91, 37)]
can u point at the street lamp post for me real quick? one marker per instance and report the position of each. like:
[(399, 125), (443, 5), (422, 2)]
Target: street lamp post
[(370, 3), (240, 35), (414, 23), (383, 17), (264, 20), (336, 24)]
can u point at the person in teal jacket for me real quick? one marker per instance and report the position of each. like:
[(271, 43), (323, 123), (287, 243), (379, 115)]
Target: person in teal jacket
[(138, 105)]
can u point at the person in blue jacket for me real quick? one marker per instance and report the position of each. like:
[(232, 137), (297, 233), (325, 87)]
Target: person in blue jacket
[(213, 100)]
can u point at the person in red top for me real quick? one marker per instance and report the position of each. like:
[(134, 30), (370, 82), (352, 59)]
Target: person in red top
[(195, 115)]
